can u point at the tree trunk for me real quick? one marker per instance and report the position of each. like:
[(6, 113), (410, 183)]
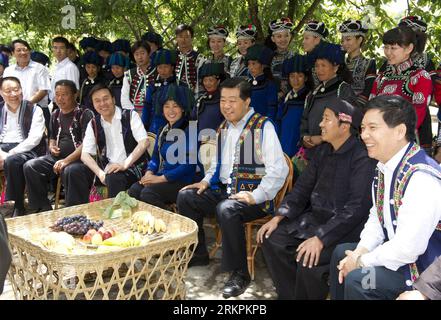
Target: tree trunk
[(253, 11), (292, 9), (307, 15)]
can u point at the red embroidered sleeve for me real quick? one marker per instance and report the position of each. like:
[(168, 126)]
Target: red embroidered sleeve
[(374, 91), (422, 87), (437, 89)]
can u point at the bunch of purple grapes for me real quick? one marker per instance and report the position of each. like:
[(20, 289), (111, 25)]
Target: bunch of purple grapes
[(76, 225)]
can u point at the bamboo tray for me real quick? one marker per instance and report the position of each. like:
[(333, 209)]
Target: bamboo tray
[(155, 270)]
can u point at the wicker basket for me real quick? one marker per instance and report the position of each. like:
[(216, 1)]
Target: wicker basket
[(152, 271)]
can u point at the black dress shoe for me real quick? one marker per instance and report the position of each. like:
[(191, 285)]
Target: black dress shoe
[(18, 212), (236, 285), (199, 260)]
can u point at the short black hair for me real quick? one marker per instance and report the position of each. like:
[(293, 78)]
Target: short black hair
[(5, 48), (21, 41), (61, 40), (141, 44), (15, 79), (183, 27), (67, 83), (404, 36), (71, 46), (396, 110), (98, 87), (239, 83)]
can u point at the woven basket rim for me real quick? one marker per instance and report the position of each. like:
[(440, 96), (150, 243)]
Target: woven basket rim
[(43, 220)]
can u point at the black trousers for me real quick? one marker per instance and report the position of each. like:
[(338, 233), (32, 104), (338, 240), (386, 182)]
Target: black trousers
[(39, 172), (291, 279), (371, 283), (13, 169), (79, 179), (158, 194), (230, 215), (119, 181)]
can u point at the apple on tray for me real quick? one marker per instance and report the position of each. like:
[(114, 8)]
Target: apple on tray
[(87, 238)]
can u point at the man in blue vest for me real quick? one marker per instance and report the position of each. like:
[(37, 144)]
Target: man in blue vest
[(118, 140), (21, 138), (402, 236), (240, 185)]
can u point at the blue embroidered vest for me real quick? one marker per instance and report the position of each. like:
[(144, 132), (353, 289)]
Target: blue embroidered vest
[(248, 170), (415, 159)]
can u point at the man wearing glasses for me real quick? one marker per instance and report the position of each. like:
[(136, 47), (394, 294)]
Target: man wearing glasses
[(21, 133)]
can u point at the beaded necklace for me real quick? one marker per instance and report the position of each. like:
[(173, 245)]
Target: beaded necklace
[(74, 120)]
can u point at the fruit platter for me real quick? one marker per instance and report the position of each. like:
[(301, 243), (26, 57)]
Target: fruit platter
[(85, 253)]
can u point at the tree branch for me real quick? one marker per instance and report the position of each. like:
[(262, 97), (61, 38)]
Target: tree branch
[(308, 13), (292, 8), (147, 19), (253, 10), (132, 28), (159, 20), (203, 14)]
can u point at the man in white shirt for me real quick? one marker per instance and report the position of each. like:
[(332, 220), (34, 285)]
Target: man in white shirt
[(34, 78), (64, 69), (21, 132), (238, 187), (402, 236), (121, 141)]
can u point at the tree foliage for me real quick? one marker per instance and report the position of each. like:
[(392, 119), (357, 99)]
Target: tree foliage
[(39, 20)]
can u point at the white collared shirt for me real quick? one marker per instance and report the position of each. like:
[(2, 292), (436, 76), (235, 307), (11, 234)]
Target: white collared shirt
[(125, 93), (418, 216), (12, 131), (276, 168), (65, 70), (34, 77), (115, 149)]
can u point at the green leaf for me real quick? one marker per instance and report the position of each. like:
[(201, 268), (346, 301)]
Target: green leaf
[(125, 206), (120, 198), (107, 214), (132, 202), (117, 213)]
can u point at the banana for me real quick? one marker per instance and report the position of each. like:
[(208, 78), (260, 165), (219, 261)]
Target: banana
[(144, 222), (59, 241), (158, 225)]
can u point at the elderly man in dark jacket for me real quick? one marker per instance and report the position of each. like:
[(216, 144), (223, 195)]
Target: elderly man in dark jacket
[(329, 203), (5, 254)]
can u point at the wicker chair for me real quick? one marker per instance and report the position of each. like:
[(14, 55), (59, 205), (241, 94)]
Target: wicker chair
[(252, 226), (151, 137), (3, 187), (207, 151), (58, 191)]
